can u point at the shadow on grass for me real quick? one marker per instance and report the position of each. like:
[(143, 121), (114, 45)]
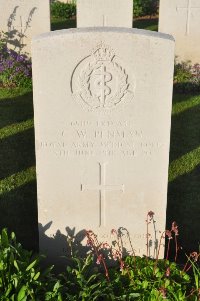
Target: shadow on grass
[(16, 109), (18, 200), (17, 153), (185, 133), (18, 213), (183, 207), (184, 185), (146, 23), (57, 24)]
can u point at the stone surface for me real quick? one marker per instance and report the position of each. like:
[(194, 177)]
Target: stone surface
[(94, 13), (181, 18), (102, 105), (22, 19)]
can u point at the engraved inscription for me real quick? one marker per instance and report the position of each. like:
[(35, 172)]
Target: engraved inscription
[(99, 81), (189, 8), (107, 138), (102, 188)]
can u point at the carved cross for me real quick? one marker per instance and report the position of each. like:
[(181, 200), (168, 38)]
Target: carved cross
[(102, 187), (189, 9)]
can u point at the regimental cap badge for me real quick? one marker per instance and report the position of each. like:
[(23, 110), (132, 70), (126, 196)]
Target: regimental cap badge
[(99, 81)]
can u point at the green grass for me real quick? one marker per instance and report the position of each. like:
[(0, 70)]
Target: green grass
[(184, 171), (57, 24), (18, 205), (18, 197), (146, 23), (143, 23)]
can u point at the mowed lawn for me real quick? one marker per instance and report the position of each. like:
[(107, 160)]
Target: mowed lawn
[(18, 197)]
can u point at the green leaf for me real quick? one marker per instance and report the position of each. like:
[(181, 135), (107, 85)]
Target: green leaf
[(93, 277), (134, 295), (60, 298), (16, 265), (37, 276), (4, 238), (56, 286), (31, 265), (69, 269), (22, 294), (167, 283), (145, 284), (13, 237)]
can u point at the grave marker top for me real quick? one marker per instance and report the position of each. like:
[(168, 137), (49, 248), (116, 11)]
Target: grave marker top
[(102, 159), (181, 19), (94, 13), (189, 9)]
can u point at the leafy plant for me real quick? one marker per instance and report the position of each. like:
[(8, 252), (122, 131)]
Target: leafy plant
[(82, 281), (63, 10), (19, 272), (90, 278), (15, 68), (186, 77)]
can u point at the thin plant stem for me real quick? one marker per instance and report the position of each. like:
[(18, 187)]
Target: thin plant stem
[(147, 221), (158, 253), (168, 247), (176, 248), (96, 250)]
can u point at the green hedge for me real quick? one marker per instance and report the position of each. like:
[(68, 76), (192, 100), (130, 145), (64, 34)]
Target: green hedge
[(63, 10), (145, 7)]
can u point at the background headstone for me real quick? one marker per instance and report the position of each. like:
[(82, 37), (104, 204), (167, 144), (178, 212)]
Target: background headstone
[(94, 13), (22, 19), (102, 105), (181, 18)]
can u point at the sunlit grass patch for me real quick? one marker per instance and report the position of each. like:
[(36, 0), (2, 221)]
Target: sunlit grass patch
[(184, 164), (7, 93), (16, 180), (184, 103), (16, 128)]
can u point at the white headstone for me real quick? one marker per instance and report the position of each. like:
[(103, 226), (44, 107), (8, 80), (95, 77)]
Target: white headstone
[(114, 13), (181, 18), (102, 104), (22, 19)]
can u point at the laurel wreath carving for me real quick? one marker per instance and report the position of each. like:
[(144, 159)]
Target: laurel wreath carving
[(84, 83), (123, 85), (85, 91)]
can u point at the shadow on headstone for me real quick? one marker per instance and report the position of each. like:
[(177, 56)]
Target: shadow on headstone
[(16, 34), (60, 247)]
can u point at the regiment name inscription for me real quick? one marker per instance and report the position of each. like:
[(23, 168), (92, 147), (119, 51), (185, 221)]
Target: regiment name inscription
[(106, 138)]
